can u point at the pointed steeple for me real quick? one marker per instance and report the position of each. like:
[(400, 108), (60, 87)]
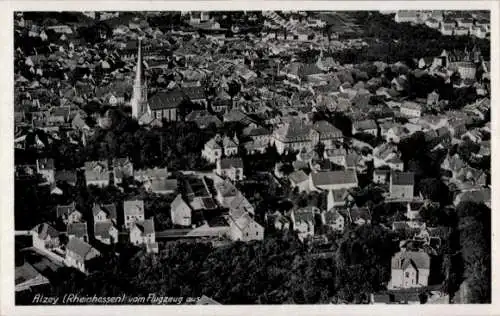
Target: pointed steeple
[(139, 93)]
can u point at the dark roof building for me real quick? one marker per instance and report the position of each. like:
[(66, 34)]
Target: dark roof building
[(166, 100)]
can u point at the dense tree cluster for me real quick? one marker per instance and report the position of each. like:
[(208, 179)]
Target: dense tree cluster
[(277, 270)]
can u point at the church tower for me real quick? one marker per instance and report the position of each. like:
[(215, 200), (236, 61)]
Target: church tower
[(140, 92)]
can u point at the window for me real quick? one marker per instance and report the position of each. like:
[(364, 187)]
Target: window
[(407, 274)]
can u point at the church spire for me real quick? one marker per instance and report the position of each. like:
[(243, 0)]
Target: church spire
[(139, 93)]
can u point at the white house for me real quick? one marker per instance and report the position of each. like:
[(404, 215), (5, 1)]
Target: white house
[(143, 233), (231, 168), (78, 253), (45, 236), (245, 228), (303, 221), (409, 269), (217, 146), (133, 211), (411, 109), (68, 213), (180, 212), (106, 232)]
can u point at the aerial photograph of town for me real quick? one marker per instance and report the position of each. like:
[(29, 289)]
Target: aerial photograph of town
[(252, 157)]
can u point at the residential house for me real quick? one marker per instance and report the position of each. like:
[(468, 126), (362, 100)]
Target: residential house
[(68, 213), (257, 134), (333, 180), (384, 153), (433, 98), (360, 215), (180, 212), (447, 28), (245, 228), (298, 179), (293, 136), (218, 146), (133, 211), (122, 168), (336, 155), (78, 230), (104, 213), (144, 175), (411, 109), (328, 134), (143, 233), (395, 163), (454, 164), (409, 269), (381, 176), (97, 173), (79, 253), (279, 221), (106, 232), (161, 186), (408, 16), (366, 126), (432, 23), (333, 220), (45, 167), (231, 168), (230, 197), (45, 236), (401, 185), (396, 133), (303, 221)]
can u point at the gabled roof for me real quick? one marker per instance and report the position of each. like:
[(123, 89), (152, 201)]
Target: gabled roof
[(135, 207), (226, 189), (27, 272), (151, 173), (227, 163), (44, 230), (327, 130), (109, 209), (194, 93), (77, 229), (365, 125), (294, 132), (65, 176), (146, 227), (178, 202), (65, 210), (334, 177), (162, 184), (102, 229), (304, 214), (46, 163), (402, 259), (402, 178), (298, 176), (166, 99), (360, 213), (80, 248)]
